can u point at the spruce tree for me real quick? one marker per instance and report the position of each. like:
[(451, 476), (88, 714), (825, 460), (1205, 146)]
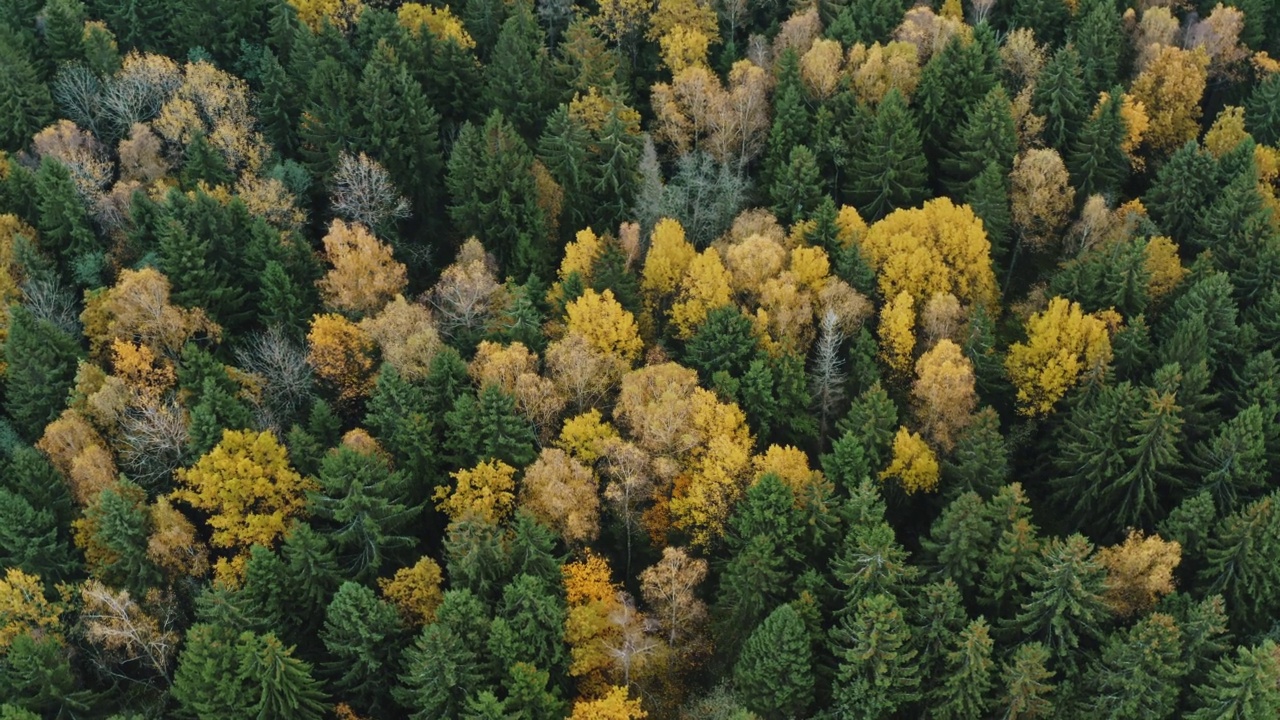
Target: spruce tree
[(774, 674), (36, 676), (1047, 18), (204, 163), (516, 77), (1098, 36), (791, 118), (1065, 607), (954, 80), (889, 168), (216, 412), (364, 508), (1140, 671), (1243, 686), (797, 189), (1060, 97), (1240, 562), (1177, 200), (63, 222), (987, 136), (1262, 111), (222, 676), (42, 361), (477, 558), (63, 30), (1097, 162), (754, 582), (528, 626), (1233, 463), (489, 428), (118, 526), (988, 196), (965, 690), (1028, 685), (31, 540), (877, 674), (363, 636), (440, 670), (961, 540)]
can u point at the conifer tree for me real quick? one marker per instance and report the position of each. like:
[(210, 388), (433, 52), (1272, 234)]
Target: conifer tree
[(797, 189), (114, 533), (1028, 683), (363, 635), (516, 77), (987, 137), (791, 118), (1241, 687), (528, 626), (440, 670), (364, 506), (1177, 199), (754, 582), (217, 410), (41, 360), (63, 222), (1262, 111), (1097, 162), (1140, 671), (1060, 97), (775, 671), (962, 540), (487, 428), (1065, 606), (889, 168), (878, 673), (1233, 462), (223, 676), (1098, 36), (1237, 564), (25, 105), (954, 80), (965, 691)]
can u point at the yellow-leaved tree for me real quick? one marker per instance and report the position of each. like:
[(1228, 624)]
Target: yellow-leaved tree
[(789, 463), (668, 257), (1170, 88), (440, 22), (249, 490), (564, 494), (585, 436), (415, 591), (364, 275), (898, 332), (940, 247), (944, 393), (486, 491), (1063, 344), (342, 354), (913, 464), (592, 598), (606, 325), (703, 288), (614, 705), (23, 607), (1139, 572)]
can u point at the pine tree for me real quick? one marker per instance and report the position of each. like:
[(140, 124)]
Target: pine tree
[(889, 168), (492, 186), (1065, 606), (63, 222), (1060, 96), (1098, 36), (363, 635), (878, 673), (440, 670), (987, 137), (965, 692), (774, 674), (1140, 671), (517, 74), (364, 507), (797, 189), (1262, 111), (41, 370), (1097, 162), (1242, 687)]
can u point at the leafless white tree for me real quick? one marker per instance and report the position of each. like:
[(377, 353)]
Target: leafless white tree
[(282, 364), (635, 639), (363, 192), (79, 93), (115, 622), (826, 380), (153, 441)]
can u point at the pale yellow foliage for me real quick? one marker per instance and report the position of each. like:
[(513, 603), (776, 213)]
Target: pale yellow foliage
[(944, 393), (897, 332), (584, 436), (787, 309), (580, 255), (703, 288), (683, 47), (406, 335), (501, 365), (798, 32), (589, 630), (613, 706), (730, 121), (592, 110), (1163, 265), (583, 374), (541, 401), (137, 309), (415, 591), (789, 463), (364, 275), (485, 491), (717, 472), (929, 32), (1040, 196), (440, 22), (216, 104), (1136, 122), (752, 261), (77, 450), (756, 221), (655, 407), (1139, 572), (820, 68), (116, 623), (269, 199), (563, 494), (1227, 131), (1022, 57), (874, 71), (810, 267), (250, 492), (1218, 35), (341, 14), (913, 464), (670, 588), (23, 608), (668, 257), (942, 317), (1171, 88), (341, 353), (1063, 344), (621, 20), (940, 247), (851, 308), (173, 545), (605, 324), (79, 151)]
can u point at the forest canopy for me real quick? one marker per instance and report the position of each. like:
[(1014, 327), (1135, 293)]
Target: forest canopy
[(623, 359)]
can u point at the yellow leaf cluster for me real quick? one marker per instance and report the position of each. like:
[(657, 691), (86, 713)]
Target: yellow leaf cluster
[(668, 257), (1227, 131), (704, 287), (786, 314), (821, 68), (591, 111), (1136, 123), (940, 247), (485, 491), (148, 376), (944, 392), (440, 22), (683, 47), (341, 14), (584, 436), (415, 591), (897, 332), (752, 261), (613, 706), (1163, 265), (655, 407), (406, 335), (913, 463), (580, 255), (1139, 572), (1170, 87), (1040, 196), (564, 494), (79, 453), (592, 597), (137, 310), (173, 545), (810, 267), (718, 471), (342, 354), (696, 111), (250, 491), (215, 104), (695, 15), (502, 365), (1063, 343), (850, 227), (789, 463), (364, 275), (874, 71), (606, 325), (23, 607)]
